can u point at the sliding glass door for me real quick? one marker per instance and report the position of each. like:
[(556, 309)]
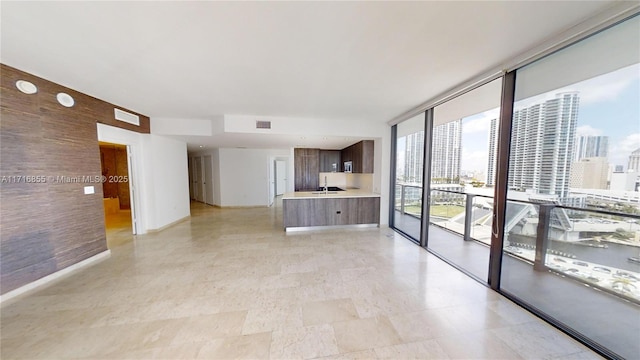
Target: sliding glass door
[(409, 158), (572, 226), (462, 178)]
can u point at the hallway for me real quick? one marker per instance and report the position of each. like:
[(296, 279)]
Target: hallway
[(230, 283)]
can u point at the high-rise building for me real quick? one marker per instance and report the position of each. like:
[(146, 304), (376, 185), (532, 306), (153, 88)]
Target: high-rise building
[(591, 146), (634, 161), (589, 173), (445, 158), (542, 145), (414, 157)]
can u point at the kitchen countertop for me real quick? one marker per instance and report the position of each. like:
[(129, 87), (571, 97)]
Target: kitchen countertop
[(350, 193)]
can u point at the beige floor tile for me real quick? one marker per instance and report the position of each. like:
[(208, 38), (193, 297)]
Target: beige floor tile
[(253, 346), (220, 285), (386, 304), (364, 334), (422, 325), (303, 342), (325, 312), (477, 345), (207, 327), (273, 317), (418, 350), (356, 355), (283, 281), (469, 318), (537, 340), (582, 355)]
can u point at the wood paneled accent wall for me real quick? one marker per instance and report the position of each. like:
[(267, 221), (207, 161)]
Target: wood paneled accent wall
[(47, 226)]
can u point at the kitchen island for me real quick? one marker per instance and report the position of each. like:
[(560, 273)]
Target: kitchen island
[(333, 208)]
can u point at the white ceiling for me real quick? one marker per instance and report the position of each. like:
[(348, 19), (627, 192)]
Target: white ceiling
[(325, 60)]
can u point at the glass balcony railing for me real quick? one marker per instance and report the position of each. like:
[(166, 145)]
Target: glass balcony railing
[(596, 247)]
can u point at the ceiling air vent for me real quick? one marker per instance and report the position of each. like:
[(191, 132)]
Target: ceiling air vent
[(263, 124), (127, 117)]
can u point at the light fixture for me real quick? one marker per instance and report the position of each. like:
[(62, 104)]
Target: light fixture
[(65, 100), (26, 87), (201, 146)]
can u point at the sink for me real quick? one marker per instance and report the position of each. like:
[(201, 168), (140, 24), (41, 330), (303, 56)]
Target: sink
[(330, 188), (322, 192)]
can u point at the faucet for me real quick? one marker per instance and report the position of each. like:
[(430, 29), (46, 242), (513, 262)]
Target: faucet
[(326, 189)]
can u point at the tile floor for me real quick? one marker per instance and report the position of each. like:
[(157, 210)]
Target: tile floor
[(230, 283)]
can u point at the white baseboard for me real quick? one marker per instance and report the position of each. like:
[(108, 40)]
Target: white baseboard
[(151, 231), (36, 285)]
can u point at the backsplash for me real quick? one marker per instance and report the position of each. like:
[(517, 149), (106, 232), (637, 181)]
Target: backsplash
[(338, 179), (347, 180), (360, 181)]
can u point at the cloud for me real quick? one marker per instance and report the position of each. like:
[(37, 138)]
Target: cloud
[(476, 125), (605, 87), (622, 149), (587, 130), (474, 160), (479, 122)]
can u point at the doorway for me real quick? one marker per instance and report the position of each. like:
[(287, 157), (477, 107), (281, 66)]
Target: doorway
[(281, 177), (117, 192), (277, 177)]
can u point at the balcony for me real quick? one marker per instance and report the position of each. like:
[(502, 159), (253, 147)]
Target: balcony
[(575, 266)]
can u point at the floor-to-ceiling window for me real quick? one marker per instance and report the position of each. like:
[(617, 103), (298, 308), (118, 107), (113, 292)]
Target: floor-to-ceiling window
[(462, 175), (572, 229), (558, 168), (409, 159)]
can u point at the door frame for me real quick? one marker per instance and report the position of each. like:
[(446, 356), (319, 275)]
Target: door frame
[(133, 144)]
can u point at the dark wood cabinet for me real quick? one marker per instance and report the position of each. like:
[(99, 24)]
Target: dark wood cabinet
[(306, 169), (361, 156), (328, 158), (331, 211)]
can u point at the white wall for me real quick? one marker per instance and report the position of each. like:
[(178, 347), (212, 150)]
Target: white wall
[(159, 176), (240, 185), (381, 173), (215, 156), (165, 161), (244, 175)]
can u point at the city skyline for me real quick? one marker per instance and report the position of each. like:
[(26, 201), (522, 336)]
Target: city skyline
[(602, 97), (542, 145)]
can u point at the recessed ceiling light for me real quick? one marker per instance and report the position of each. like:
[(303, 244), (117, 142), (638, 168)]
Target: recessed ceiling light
[(201, 146), (65, 99), (26, 87)]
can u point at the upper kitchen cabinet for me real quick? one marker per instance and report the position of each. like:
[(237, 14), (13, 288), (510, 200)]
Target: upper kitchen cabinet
[(330, 160), (361, 156), (306, 169)]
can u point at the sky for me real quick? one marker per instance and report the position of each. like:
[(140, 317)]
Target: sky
[(609, 105)]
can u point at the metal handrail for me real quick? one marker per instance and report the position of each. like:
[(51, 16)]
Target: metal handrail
[(597, 211)]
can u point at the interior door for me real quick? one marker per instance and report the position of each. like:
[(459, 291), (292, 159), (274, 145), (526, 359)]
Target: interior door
[(208, 179), (190, 170), (199, 179), (281, 177), (132, 192)]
